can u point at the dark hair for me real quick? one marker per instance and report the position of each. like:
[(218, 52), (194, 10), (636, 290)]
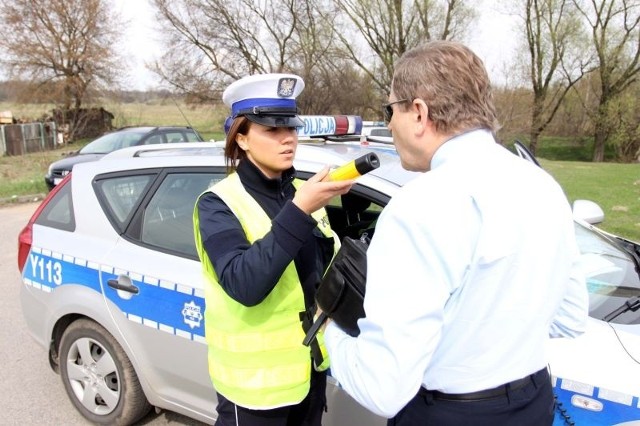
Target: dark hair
[(452, 81), (232, 151)]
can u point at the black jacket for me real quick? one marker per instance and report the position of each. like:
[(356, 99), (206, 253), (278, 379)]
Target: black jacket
[(248, 272)]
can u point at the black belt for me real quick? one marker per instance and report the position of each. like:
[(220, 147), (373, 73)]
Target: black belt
[(537, 378)]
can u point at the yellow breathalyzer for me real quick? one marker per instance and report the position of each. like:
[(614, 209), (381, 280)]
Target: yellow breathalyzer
[(356, 168)]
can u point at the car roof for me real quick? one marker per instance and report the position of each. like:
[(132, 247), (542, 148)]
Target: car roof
[(149, 128), (311, 155), (134, 129)]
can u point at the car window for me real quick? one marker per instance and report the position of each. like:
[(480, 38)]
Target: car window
[(154, 139), (102, 145), (168, 217), (129, 139), (611, 275), (58, 212), (355, 213), (112, 142), (175, 137), (193, 137), (381, 132), (121, 194)]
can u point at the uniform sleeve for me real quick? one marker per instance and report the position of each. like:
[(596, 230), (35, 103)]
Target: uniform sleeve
[(248, 272)]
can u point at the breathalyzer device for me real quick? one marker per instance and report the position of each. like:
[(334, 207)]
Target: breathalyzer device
[(356, 168)]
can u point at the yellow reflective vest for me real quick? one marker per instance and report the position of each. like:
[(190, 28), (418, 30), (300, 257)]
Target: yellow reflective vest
[(256, 356)]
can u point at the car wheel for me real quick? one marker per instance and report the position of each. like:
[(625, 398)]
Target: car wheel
[(98, 376)]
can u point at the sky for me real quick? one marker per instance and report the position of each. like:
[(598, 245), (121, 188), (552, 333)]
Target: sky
[(491, 39), (140, 42)]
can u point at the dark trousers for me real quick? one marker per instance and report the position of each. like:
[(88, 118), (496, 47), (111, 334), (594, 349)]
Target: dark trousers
[(306, 413), (529, 405)]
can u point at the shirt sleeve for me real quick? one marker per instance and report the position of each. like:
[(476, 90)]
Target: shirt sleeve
[(571, 317), (384, 367), (248, 272)]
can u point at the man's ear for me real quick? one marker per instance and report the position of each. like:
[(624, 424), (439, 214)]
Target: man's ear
[(421, 116)]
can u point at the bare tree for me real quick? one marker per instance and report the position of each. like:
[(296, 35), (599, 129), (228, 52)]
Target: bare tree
[(572, 120), (214, 42), (555, 62), (615, 31), (625, 137), (65, 44), (388, 28), (209, 43)]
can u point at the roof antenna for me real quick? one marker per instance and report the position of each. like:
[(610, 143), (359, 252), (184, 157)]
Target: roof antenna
[(179, 109)]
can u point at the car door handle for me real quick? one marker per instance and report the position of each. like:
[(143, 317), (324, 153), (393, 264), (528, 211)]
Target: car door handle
[(129, 287)]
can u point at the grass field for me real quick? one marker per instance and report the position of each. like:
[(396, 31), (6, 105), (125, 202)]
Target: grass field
[(204, 119), (25, 175), (164, 112), (615, 187)]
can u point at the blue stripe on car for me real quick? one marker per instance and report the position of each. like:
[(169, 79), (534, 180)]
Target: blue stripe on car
[(587, 404), (170, 307)]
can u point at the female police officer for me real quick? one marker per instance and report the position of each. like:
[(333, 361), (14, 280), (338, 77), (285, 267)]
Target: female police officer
[(264, 241)]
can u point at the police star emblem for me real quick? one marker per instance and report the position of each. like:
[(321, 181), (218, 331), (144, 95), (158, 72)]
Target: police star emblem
[(286, 86), (192, 314)]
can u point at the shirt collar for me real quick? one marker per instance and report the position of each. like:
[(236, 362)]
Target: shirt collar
[(465, 144)]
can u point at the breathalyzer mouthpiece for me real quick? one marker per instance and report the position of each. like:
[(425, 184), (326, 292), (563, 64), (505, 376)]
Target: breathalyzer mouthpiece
[(356, 168)]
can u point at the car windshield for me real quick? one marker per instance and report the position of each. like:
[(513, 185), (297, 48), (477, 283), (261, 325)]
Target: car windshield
[(610, 273), (381, 132), (112, 142)]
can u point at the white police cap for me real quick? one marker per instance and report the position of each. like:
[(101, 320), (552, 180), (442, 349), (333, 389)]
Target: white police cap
[(267, 99)]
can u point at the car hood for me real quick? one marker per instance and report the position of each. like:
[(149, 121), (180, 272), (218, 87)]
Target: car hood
[(67, 163)]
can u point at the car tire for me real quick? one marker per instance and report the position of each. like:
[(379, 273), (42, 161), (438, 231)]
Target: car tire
[(99, 377)]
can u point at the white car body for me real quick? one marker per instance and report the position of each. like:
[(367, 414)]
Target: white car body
[(90, 271)]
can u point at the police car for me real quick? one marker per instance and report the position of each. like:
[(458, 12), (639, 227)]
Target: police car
[(112, 287)]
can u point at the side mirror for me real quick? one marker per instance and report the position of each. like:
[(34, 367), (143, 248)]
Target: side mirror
[(588, 211)]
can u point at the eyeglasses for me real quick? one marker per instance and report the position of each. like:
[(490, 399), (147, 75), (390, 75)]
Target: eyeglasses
[(387, 109)]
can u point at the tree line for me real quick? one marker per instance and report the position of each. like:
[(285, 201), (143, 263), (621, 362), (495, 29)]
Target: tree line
[(574, 74)]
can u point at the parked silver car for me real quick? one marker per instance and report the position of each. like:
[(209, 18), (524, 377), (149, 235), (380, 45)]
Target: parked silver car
[(121, 138)]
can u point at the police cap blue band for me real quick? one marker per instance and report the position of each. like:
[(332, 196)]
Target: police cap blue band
[(257, 106)]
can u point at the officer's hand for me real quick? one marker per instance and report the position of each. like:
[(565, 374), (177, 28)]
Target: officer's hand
[(316, 193), (326, 321)]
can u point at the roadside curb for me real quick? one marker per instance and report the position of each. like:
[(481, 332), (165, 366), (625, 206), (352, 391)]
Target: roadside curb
[(21, 199)]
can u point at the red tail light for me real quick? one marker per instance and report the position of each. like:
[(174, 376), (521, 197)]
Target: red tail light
[(24, 245), (25, 238)]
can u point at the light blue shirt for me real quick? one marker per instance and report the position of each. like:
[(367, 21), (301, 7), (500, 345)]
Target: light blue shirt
[(472, 267)]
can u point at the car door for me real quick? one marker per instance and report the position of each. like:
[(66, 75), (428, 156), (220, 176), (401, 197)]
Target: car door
[(154, 290), (353, 215), (153, 285)]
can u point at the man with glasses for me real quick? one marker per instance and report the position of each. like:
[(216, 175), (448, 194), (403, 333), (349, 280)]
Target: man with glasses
[(472, 267)]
